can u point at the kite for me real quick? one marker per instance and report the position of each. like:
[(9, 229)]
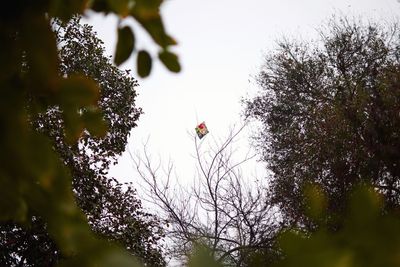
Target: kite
[(201, 130)]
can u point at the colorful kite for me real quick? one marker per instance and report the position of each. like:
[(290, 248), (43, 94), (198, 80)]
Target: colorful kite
[(201, 130)]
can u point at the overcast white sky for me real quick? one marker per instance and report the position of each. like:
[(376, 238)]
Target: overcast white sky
[(221, 45)]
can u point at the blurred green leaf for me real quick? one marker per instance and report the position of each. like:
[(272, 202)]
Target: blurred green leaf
[(202, 256), (94, 122), (66, 9), (34, 179), (78, 91), (12, 205), (318, 250), (41, 57), (368, 237), (120, 7), (144, 63), (42, 168), (100, 6), (315, 201), (116, 258), (74, 126), (151, 21), (365, 197), (170, 60), (125, 45), (147, 9)]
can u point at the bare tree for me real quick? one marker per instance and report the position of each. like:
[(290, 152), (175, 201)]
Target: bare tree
[(222, 209)]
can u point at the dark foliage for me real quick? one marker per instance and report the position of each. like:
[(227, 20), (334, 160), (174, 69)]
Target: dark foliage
[(330, 117), (27, 246), (112, 208)]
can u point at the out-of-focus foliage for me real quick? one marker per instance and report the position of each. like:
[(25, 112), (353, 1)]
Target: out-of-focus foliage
[(121, 220), (329, 112), (113, 212), (368, 237), (147, 14), (202, 256), (34, 180)]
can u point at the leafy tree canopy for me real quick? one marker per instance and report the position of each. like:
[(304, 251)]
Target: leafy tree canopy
[(330, 116), (113, 212), (33, 176)]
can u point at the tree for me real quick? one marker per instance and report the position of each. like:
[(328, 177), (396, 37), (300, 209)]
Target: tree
[(113, 212), (121, 220), (33, 179), (223, 210), (82, 53), (329, 116), (124, 221), (27, 246)]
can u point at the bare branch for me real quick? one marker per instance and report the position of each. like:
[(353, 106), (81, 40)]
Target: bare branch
[(222, 209)]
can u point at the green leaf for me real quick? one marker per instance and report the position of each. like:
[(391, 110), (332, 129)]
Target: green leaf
[(120, 7), (100, 6), (154, 26), (41, 54), (202, 256), (114, 257), (73, 125), (147, 9), (362, 198), (125, 45), (144, 63), (94, 122), (170, 60), (78, 91), (315, 201), (66, 9), (12, 205)]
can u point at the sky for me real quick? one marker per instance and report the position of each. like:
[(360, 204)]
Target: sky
[(221, 46)]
